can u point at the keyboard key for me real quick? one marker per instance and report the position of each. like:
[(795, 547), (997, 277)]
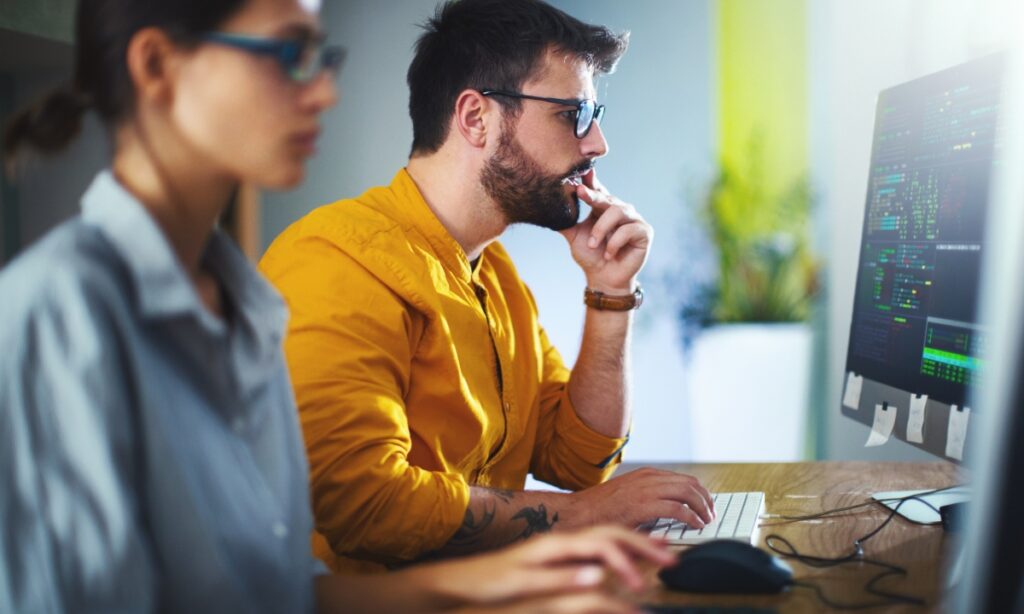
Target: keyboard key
[(737, 515)]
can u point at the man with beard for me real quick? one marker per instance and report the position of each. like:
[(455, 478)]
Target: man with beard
[(426, 388)]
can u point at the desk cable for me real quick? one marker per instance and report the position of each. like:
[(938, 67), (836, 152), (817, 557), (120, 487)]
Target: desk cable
[(857, 556)]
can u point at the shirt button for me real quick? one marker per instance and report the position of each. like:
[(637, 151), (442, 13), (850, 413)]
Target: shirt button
[(280, 531)]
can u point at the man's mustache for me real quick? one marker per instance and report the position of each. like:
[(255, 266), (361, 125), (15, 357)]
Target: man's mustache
[(582, 168)]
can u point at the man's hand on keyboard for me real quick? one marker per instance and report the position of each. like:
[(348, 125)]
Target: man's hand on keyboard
[(642, 495)]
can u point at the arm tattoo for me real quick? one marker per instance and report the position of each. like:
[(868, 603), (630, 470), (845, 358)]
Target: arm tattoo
[(536, 520), (484, 528), (471, 530)]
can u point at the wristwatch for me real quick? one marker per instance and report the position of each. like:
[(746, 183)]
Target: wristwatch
[(608, 302)]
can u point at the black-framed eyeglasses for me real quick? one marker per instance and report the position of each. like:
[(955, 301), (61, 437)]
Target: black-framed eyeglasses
[(587, 111), (301, 59)]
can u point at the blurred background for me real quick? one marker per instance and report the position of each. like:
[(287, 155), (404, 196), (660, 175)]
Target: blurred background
[(741, 129)]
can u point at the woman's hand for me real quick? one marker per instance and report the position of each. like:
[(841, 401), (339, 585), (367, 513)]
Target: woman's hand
[(557, 572), (564, 568)]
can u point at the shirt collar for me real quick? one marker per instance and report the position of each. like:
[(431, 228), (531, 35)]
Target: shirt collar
[(421, 217), (162, 286)]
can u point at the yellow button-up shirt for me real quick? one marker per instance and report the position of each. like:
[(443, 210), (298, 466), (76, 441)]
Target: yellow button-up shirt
[(417, 374)]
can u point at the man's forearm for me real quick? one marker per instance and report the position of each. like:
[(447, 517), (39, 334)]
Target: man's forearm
[(498, 517), (598, 385)]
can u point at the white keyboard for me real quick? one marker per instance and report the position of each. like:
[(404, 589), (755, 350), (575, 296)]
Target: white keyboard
[(736, 515)]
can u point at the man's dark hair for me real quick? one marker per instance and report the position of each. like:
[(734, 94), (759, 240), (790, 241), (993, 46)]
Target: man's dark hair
[(476, 44)]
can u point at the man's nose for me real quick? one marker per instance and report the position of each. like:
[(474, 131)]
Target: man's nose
[(594, 144)]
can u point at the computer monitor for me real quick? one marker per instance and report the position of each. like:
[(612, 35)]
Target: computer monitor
[(916, 347), (991, 566)]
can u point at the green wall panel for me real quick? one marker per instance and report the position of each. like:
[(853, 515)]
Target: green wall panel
[(762, 88)]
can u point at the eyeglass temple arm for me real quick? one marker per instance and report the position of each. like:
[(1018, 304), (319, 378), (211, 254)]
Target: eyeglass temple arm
[(565, 101)]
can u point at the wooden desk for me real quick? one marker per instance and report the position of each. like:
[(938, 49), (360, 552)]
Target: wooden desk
[(806, 488)]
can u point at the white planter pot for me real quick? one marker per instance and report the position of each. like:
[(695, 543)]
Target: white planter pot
[(748, 387)]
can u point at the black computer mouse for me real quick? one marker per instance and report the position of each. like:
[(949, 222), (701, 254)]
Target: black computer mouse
[(726, 566)]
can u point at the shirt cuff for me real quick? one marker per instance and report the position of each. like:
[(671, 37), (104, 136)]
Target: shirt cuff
[(450, 515), (590, 446)]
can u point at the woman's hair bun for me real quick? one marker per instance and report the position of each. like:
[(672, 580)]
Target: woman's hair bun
[(47, 126)]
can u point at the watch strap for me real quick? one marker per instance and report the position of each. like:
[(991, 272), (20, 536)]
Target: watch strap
[(613, 302)]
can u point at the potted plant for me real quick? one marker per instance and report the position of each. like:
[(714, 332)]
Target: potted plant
[(748, 344)]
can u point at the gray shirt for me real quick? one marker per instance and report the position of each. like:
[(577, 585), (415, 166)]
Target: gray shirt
[(150, 454)]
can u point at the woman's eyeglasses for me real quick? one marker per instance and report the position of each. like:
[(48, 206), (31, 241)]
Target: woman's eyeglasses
[(587, 111), (301, 59)]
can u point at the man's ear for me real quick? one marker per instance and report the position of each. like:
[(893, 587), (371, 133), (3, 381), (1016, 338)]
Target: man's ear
[(475, 117), (151, 58)]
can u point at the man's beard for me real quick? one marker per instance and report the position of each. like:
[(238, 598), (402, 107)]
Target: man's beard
[(524, 192)]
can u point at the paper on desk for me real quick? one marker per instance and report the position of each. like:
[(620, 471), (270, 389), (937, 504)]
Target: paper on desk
[(885, 419), (915, 423), (854, 384), (956, 434)]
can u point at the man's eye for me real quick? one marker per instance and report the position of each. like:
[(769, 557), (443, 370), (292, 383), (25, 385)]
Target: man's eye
[(570, 116)]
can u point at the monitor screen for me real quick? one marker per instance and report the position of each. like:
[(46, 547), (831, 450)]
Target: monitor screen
[(915, 346)]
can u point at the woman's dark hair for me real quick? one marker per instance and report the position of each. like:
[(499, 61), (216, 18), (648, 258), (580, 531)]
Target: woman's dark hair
[(101, 81), (494, 44)]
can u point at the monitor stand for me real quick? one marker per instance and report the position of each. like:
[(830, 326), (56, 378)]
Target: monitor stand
[(916, 511)]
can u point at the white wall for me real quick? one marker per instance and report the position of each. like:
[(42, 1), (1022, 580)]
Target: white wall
[(660, 129), (857, 49)]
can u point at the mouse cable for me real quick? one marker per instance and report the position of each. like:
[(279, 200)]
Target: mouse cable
[(871, 586), (856, 556)]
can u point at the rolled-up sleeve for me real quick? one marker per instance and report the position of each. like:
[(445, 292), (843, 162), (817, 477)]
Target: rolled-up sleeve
[(71, 537), (349, 347), (568, 454)]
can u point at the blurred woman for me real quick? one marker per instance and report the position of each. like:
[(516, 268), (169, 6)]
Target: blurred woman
[(148, 437)]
